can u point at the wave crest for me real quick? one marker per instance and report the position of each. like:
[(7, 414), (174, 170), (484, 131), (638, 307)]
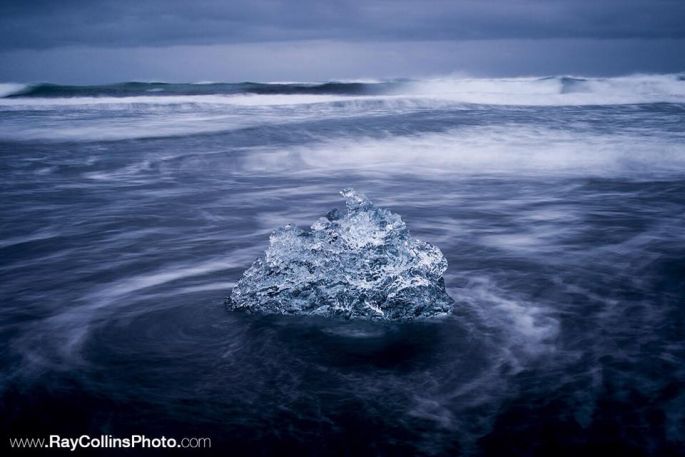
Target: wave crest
[(551, 90), (556, 90), (9, 89)]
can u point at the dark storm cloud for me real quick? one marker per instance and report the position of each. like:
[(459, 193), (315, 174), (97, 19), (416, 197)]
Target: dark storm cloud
[(323, 60), (41, 24)]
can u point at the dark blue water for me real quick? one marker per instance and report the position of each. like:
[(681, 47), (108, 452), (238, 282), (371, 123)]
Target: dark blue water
[(127, 218)]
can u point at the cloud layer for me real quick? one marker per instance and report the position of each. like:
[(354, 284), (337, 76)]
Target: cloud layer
[(105, 40), (40, 24)]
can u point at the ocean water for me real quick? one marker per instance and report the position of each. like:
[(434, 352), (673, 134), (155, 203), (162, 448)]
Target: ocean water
[(129, 211)]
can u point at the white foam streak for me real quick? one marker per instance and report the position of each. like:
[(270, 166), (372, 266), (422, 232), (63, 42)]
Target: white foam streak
[(157, 278), (531, 326), (487, 149), (124, 102)]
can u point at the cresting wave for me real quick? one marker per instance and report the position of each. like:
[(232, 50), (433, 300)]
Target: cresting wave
[(10, 89), (550, 90), (135, 88), (557, 90)]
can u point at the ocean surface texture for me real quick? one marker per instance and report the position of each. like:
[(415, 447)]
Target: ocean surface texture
[(129, 212)]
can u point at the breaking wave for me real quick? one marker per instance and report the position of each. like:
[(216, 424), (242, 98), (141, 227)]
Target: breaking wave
[(132, 89), (550, 90), (557, 90), (9, 89)]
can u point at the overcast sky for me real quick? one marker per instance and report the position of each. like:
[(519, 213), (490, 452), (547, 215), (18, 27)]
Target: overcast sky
[(92, 41)]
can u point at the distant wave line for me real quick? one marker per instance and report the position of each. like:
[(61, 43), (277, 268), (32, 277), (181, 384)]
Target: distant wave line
[(545, 90)]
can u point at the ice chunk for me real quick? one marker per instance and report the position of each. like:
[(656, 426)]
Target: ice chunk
[(363, 264)]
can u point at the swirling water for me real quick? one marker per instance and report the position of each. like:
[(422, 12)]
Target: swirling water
[(559, 203)]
